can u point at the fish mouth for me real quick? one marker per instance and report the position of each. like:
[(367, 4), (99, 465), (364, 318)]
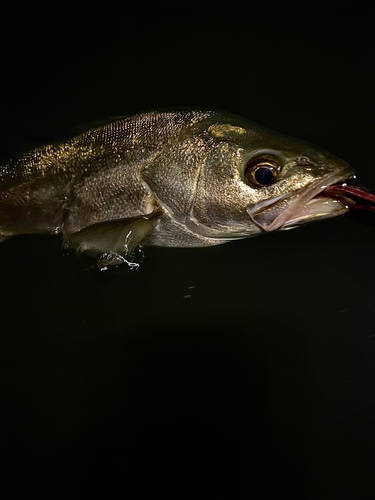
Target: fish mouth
[(308, 204)]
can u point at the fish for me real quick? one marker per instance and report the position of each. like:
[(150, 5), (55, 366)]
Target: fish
[(168, 178)]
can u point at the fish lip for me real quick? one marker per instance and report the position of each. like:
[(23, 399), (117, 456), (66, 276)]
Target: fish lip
[(304, 196)]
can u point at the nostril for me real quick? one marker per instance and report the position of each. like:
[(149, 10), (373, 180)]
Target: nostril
[(312, 156), (305, 161)]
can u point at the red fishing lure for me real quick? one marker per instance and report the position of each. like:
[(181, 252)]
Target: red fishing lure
[(358, 198)]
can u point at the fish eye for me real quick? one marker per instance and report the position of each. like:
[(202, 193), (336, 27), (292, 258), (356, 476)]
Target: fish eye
[(261, 172)]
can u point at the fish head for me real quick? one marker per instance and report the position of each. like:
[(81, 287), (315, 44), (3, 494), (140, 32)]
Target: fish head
[(254, 180)]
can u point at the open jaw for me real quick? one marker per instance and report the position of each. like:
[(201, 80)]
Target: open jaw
[(307, 204)]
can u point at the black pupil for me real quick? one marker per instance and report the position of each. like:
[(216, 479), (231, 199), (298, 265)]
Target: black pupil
[(263, 175)]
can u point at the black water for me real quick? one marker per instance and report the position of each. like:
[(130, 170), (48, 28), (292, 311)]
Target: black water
[(241, 371)]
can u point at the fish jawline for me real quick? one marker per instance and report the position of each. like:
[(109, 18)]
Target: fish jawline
[(299, 211), (327, 207)]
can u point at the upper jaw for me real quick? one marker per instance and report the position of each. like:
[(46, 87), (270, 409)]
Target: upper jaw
[(306, 205)]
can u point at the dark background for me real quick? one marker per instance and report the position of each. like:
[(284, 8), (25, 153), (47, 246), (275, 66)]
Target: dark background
[(260, 379)]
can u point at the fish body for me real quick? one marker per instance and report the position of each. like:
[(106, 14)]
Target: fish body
[(184, 178)]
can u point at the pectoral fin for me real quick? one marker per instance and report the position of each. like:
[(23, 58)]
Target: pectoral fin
[(112, 242)]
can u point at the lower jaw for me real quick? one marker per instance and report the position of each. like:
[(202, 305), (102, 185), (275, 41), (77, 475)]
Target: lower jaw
[(318, 208)]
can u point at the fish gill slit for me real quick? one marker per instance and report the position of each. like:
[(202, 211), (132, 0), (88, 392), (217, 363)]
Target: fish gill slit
[(189, 215)]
